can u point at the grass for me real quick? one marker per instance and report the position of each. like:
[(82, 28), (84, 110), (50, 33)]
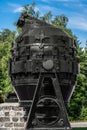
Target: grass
[(79, 129)]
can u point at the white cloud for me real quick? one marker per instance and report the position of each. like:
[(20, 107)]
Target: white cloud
[(46, 8), (37, 9), (60, 0), (78, 22), (15, 7), (65, 0), (45, 0), (17, 10)]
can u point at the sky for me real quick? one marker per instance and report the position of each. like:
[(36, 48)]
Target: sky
[(75, 10)]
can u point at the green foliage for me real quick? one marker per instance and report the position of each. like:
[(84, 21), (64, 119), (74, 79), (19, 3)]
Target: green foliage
[(60, 20), (83, 115), (78, 105), (79, 98), (6, 35), (47, 17), (30, 10), (5, 46)]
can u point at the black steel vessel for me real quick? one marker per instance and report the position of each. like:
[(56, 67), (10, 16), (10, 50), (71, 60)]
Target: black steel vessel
[(42, 50)]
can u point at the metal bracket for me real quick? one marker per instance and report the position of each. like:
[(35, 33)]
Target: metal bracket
[(51, 108)]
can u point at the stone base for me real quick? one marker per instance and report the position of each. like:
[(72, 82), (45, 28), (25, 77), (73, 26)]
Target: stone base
[(12, 117), (50, 129)]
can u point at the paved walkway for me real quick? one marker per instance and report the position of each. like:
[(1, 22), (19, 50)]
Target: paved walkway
[(79, 124)]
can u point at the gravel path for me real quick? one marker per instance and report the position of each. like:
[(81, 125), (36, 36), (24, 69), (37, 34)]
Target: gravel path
[(79, 124)]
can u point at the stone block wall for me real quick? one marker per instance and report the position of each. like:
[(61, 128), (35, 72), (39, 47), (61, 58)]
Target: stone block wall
[(12, 117)]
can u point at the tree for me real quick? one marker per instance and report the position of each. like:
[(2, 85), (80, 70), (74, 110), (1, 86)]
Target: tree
[(5, 46), (5, 34), (60, 20), (47, 17), (29, 9), (78, 105), (78, 99)]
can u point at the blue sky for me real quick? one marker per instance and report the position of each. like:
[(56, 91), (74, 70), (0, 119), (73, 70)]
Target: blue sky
[(75, 10)]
